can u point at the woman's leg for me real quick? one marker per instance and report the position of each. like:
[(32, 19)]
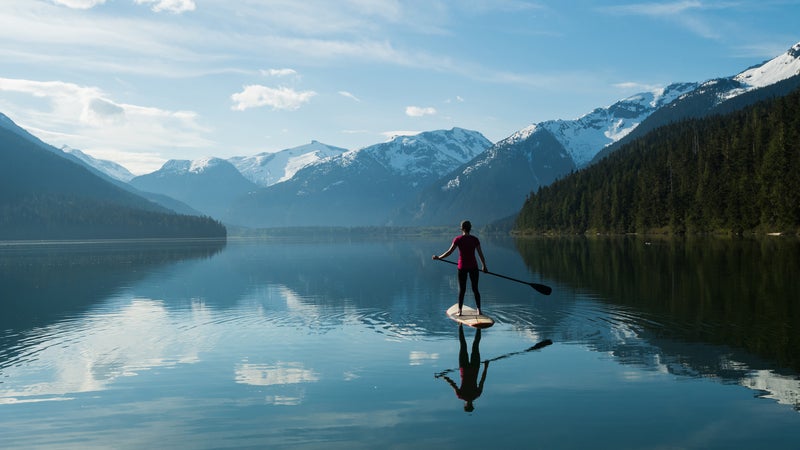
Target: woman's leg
[(473, 277), (462, 287)]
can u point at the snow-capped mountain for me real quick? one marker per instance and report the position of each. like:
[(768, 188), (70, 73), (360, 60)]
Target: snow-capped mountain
[(532, 157), (208, 185), (584, 136), (361, 187), (110, 168), (777, 69), (266, 169), (492, 185), (774, 78), (541, 153)]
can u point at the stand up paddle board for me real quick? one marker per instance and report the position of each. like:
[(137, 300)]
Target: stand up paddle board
[(469, 316)]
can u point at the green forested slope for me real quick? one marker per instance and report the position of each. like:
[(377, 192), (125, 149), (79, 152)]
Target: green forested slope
[(46, 196), (733, 173)]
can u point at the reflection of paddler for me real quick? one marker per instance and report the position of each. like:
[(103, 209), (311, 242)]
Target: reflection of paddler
[(470, 367)]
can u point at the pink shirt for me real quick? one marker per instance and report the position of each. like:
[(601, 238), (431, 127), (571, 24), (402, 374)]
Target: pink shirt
[(467, 244)]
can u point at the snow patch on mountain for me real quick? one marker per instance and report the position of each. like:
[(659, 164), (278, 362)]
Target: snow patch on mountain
[(266, 169), (175, 166), (429, 152), (110, 168), (773, 71), (587, 135), (203, 164)]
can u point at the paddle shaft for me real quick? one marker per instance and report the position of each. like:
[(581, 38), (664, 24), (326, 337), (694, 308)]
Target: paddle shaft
[(541, 288)]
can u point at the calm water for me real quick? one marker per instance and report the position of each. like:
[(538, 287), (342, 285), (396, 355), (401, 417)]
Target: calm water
[(344, 344)]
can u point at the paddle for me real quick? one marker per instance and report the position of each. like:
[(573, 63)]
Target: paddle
[(538, 346), (541, 288)]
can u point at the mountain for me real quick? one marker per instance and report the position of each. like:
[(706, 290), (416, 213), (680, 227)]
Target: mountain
[(44, 194), (208, 184), (266, 169), (494, 184), (541, 153), (774, 78), (734, 173), (110, 168), (584, 136), (360, 187), (120, 176)]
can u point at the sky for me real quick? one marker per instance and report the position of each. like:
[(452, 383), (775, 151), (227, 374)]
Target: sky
[(140, 82)]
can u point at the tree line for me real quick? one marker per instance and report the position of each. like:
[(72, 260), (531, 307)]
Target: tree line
[(47, 216), (736, 173)]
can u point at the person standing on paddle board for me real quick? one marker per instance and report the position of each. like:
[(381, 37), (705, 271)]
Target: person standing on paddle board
[(467, 245)]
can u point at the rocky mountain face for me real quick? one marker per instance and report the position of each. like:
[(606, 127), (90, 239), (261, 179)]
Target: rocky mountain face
[(208, 185), (360, 187), (266, 169)]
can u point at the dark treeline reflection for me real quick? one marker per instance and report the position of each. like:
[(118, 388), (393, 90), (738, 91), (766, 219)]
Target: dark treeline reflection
[(42, 282), (741, 293)]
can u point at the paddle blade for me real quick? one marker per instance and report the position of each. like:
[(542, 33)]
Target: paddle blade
[(541, 288), (540, 345)]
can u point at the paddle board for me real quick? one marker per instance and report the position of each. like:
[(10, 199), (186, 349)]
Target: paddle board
[(469, 316)]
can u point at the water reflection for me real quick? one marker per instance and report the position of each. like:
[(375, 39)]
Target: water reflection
[(333, 344), (469, 366), (43, 282), (713, 308), (61, 360), (280, 374)]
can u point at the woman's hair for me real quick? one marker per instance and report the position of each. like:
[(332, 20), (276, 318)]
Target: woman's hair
[(466, 226)]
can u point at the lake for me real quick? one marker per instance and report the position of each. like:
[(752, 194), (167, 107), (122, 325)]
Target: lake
[(342, 343)]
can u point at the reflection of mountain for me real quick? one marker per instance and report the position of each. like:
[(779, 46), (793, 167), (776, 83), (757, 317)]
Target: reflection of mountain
[(40, 283), (713, 308)]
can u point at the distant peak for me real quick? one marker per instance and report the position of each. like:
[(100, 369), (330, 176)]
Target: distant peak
[(794, 52), (773, 71), (203, 164)]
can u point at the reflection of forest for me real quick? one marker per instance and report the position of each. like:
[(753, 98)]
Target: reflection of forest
[(736, 292), (40, 282)]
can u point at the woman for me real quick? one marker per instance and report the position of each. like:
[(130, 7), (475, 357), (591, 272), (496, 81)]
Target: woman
[(467, 245)]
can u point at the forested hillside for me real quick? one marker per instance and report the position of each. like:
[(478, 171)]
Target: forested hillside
[(46, 196), (735, 173)]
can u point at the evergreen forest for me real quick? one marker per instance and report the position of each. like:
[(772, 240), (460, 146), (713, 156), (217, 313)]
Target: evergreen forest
[(44, 195), (63, 217), (735, 173)]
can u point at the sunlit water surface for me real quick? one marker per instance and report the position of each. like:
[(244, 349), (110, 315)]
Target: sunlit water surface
[(343, 343)]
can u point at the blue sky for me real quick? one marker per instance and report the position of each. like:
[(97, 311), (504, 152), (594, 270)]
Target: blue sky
[(143, 81)]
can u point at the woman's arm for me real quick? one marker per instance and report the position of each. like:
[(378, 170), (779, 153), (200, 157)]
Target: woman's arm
[(447, 253), (483, 260)]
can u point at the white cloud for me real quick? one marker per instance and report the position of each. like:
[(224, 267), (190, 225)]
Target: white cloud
[(638, 87), (686, 13), (418, 111), (658, 9), (84, 117), (279, 72), (281, 98), (281, 373), (79, 4), (349, 95), (173, 6)]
